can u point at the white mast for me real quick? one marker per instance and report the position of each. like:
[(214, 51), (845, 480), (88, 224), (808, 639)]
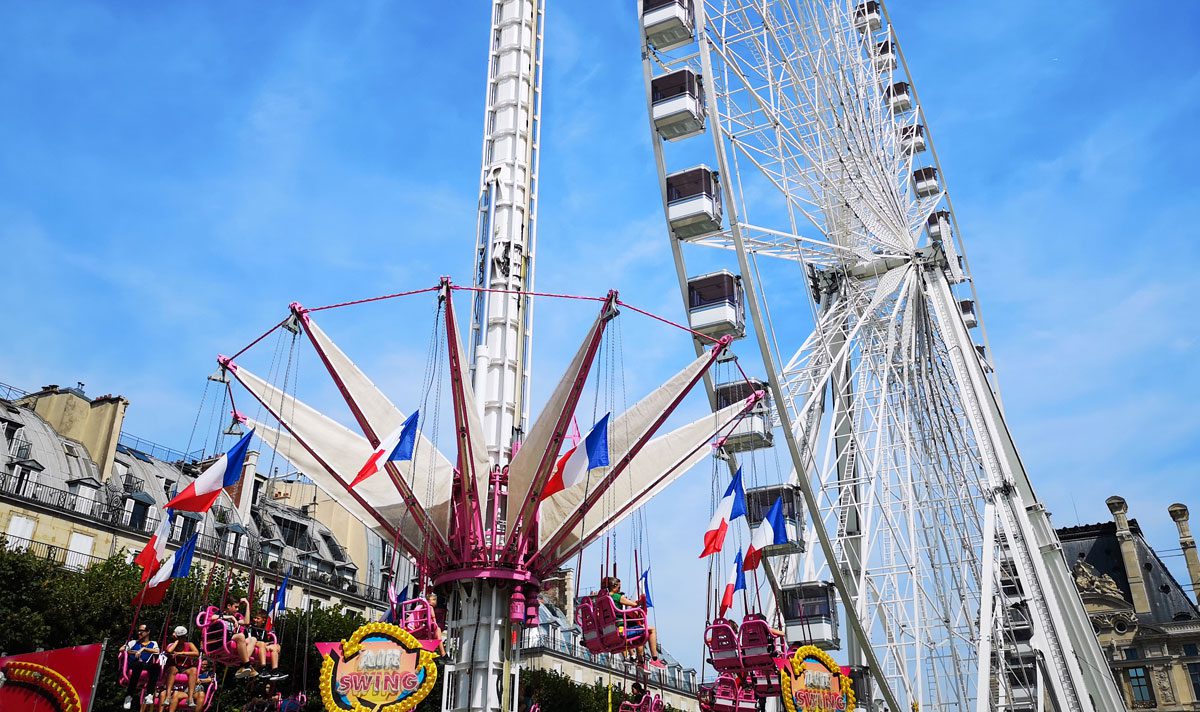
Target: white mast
[(504, 249), (483, 674)]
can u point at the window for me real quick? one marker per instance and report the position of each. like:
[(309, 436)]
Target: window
[(85, 497), (185, 527), (137, 515), (26, 482), (1194, 674), (294, 534), (79, 551), (1139, 683), (71, 450), (1191, 649), (229, 541), (1132, 654), (20, 531), (335, 549)]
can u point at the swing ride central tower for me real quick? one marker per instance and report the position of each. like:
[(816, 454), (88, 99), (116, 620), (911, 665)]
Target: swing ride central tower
[(483, 675)]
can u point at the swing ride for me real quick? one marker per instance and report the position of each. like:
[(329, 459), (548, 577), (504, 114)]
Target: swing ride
[(906, 509)]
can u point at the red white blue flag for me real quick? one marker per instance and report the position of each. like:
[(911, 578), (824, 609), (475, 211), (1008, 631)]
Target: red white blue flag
[(731, 506), (156, 548), (772, 531), (572, 467), (177, 565), (736, 582), (396, 447), (201, 494)]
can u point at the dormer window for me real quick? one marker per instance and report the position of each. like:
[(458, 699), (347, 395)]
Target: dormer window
[(335, 549), (70, 449)]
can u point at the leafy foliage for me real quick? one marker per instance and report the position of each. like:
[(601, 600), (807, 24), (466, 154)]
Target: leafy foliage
[(555, 691), (45, 606)]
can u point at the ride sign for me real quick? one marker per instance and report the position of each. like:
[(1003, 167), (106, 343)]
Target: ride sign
[(813, 682), (381, 668)]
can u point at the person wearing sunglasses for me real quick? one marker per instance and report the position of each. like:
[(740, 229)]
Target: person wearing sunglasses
[(141, 655)]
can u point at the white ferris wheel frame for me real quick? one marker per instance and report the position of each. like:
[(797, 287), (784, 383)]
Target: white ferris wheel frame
[(893, 568)]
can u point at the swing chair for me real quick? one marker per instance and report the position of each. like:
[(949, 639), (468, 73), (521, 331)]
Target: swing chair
[(744, 653), (648, 703), (216, 638), (123, 666)]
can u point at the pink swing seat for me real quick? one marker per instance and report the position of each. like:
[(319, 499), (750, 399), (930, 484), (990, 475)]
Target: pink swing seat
[(648, 703), (721, 638), (619, 630)]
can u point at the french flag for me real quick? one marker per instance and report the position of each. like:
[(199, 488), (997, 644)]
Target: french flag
[(177, 565), (201, 494), (772, 531), (575, 463), (736, 582), (396, 447), (731, 506), (156, 548), (278, 604)]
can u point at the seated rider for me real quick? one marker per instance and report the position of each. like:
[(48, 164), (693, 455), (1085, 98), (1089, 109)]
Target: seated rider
[(265, 699), (614, 590), (263, 648), (205, 679), (242, 644), (637, 691), (182, 657), (141, 655), (176, 695), (439, 634)]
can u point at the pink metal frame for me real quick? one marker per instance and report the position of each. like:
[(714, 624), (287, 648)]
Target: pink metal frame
[(420, 516), (463, 551)]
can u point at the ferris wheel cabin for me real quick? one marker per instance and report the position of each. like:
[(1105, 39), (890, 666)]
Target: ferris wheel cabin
[(810, 614), (715, 305), (925, 182), (867, 17), (754, 431), (885, 56), (912, 139), (938, 225), (967, 307), (899, 97), (759, 501), (693, 202), (668, 23), (678, 104)]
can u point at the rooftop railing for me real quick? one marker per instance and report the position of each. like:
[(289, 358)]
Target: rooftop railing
[(74, 560), (8, 392), (246, 551), (158, 452), (675, 679)]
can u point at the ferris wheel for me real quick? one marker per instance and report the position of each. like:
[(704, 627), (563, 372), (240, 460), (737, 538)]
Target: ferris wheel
[(822, 187)]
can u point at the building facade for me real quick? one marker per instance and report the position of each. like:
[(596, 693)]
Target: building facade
[(1147, 622), (75, 489), (555, 644)]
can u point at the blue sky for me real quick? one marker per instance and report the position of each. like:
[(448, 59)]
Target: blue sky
[(175, 174)]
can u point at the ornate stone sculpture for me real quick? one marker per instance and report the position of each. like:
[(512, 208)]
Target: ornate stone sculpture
[(1088, 580), (1162, 681)]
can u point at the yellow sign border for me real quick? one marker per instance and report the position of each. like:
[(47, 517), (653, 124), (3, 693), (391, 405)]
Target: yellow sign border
[(47, 679), (351, 647), (797, 663)]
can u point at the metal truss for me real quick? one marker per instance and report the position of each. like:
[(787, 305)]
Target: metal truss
[(922, 514)]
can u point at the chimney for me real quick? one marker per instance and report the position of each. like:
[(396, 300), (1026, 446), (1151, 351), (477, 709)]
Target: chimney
[(1133, 567), (1179, 513)]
